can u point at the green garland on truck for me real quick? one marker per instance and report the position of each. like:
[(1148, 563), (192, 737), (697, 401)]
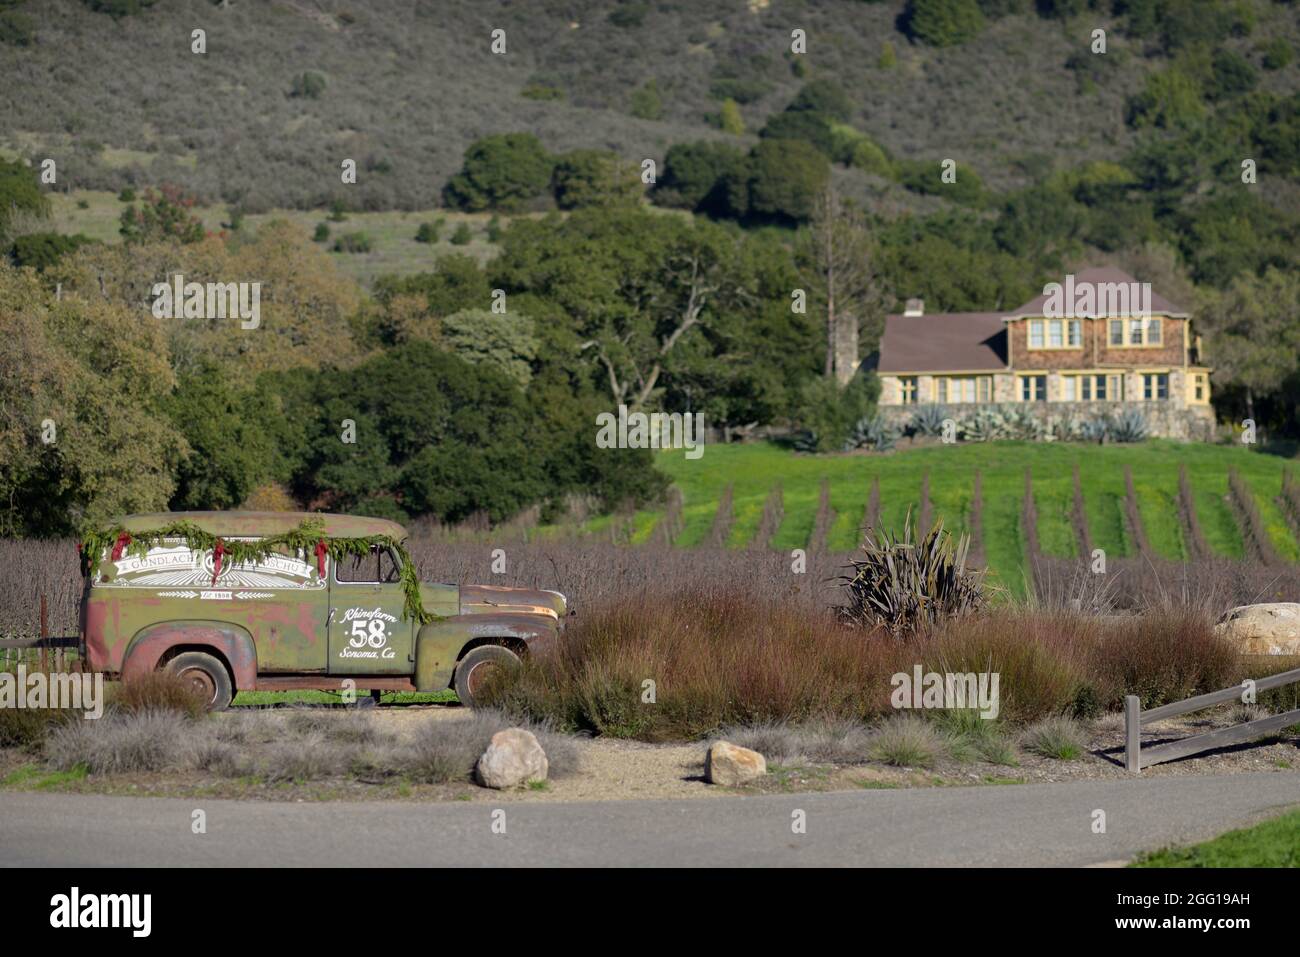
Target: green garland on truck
[(305, 539)]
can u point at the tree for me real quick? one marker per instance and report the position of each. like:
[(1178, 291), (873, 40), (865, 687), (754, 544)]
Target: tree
[(500, 172), (42, 250), (1252, 333), (942, 23), (785, 179), (825, 97), (632, 288), (693, 174), (19, 193), (504, 341), (163, 214), (594, 178), (82, 433), (730, 119), (835, 256)]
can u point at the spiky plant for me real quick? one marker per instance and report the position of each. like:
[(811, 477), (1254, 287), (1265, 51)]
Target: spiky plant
[(874, 432), (805, 441), (982, 425), (905, 585), (928, 420), (1095, 429), (1024, 424), (1129, 426)]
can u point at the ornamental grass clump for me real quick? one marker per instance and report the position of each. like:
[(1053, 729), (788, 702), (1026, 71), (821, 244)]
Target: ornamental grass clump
[(906, 586)]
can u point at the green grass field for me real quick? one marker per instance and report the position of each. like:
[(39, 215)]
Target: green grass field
[(1274, 843), (753, 470)]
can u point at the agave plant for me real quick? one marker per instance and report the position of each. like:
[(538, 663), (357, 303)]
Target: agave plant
[(1129, 426), (928, 420), (1022, 423), (873, 432), (904, 585), (1096, 429), (982, 425)]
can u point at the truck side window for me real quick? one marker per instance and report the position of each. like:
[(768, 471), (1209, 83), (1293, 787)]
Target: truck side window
[(389, 569), (359, 568)]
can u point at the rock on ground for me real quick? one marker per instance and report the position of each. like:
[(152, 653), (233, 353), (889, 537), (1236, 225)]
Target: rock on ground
[(1272, 628), (512, 757), (730, 765)]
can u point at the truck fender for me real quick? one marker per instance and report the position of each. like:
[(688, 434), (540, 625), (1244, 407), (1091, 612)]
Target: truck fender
[(440, 644), (231, 642)]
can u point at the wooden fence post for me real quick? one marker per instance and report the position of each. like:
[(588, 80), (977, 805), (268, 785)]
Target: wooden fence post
[(1133, 732)]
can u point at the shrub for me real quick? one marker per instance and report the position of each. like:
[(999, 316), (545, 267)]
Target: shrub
[(27, 728), (904, 585), (16, 28), (462, 235), (428, 232), (322, 233), (163, 215), (906, 740), (122, 742), (42, 250), (942, 23), (646, 104), (693, 173), (352, 243), (158, 691), (1059, 737), (310, 85)]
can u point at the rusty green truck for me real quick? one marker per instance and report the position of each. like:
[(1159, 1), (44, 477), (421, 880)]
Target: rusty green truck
[(291, 619)]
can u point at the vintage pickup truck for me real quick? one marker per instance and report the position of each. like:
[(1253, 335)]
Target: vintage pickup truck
[(293, 619)]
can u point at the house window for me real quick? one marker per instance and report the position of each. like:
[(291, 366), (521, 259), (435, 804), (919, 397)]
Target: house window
[(1136, 332), (908, 386), (1033, 388), (1055, 333), (964, 389), (1088, 387), (1155, 386), (1200, 388)]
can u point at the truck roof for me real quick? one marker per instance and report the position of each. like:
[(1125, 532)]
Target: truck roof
[(238, 524)]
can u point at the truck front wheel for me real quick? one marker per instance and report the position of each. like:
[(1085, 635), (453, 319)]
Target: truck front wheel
[(474, 669), (206, 675)]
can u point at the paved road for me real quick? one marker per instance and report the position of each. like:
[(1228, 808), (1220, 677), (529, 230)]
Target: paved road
[(1013, 825)]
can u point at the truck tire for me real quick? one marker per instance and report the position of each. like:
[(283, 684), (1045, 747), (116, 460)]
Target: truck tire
[(476, 666), (206, 675)]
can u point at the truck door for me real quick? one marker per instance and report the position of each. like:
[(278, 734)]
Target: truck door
[(367, 631)]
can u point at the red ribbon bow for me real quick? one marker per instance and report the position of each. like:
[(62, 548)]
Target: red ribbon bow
[(218, 553), (119, 546), (321, 551)]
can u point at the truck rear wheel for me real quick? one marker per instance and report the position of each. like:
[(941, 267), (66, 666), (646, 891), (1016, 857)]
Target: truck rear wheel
[(474, 669), (206, 675)]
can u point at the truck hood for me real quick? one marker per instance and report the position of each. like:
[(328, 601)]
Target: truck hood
[(481, 599)]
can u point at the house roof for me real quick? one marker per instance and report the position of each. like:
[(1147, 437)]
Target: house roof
[(960, 341), (1105, 275)]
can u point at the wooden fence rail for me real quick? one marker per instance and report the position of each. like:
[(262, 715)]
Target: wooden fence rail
[(1136, 757)]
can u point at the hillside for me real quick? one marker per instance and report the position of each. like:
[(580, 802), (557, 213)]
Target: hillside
[(409, 86)]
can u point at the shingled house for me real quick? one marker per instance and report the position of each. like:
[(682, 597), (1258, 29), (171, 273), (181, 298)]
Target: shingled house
[(1097, 342)]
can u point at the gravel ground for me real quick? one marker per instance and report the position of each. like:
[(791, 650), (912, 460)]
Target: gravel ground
[(619, 770)]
